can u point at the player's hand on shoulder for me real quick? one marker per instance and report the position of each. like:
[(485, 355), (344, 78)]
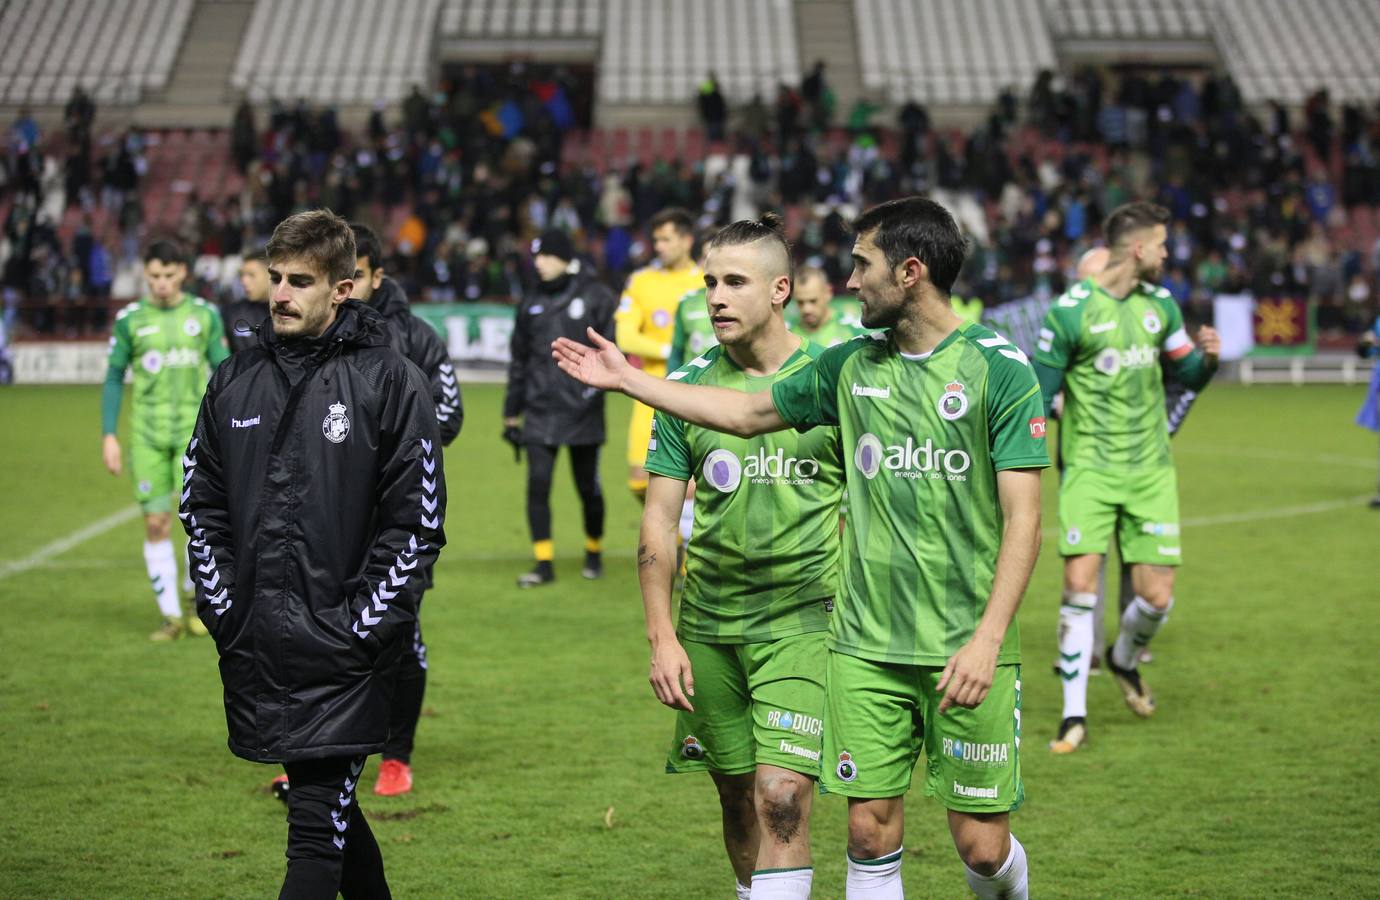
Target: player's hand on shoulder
[(672, 680), (1210, 341), (968, 676)]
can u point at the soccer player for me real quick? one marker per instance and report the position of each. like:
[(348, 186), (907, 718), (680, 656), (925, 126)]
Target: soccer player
[(942, 434), (170, 338), (745, 666), (1104, 343), (818, 321), (643, 323), (420, 343), (243, 317), (315, 499)]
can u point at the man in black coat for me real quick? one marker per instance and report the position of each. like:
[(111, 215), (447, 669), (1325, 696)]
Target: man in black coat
[(421, 344), (313, 497), (244, 316), (544, 410)]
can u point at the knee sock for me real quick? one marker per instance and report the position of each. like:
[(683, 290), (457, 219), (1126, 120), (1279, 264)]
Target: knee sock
[(1010, 881), (782, 884), (1138, 625), (687, 519), (162, 568), (875, 879), (744, 891), (1076, 650)]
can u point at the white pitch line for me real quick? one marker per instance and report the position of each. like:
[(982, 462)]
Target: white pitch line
[(1284, 512), (63, 544)]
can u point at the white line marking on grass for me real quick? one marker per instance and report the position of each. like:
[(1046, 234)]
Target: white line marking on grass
[(1334, 458), (1283, 512), (60, 546)]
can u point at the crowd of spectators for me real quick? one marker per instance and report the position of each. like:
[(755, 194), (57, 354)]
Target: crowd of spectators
[(459, 180)]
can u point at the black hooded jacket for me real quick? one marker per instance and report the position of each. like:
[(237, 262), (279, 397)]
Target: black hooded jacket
[(555, 408), (313, 498), (420, 343)]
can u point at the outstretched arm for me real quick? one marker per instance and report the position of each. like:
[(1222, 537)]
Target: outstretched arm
[(603, 366)]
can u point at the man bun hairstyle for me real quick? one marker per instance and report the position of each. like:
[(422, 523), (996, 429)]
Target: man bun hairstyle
[(767, 227), (321, 238), (165, 250), (918, 227), (367, 244), (1131, 217)]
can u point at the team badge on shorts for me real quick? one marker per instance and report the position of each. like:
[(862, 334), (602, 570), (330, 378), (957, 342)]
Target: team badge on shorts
[(691, 748), (954, 403), (192, 327), (1151, 322), (1073, 536), (336, 425), (846, 770), (145, 487)]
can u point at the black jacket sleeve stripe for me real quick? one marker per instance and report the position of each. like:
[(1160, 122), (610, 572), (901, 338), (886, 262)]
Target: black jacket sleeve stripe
[(205, 514)]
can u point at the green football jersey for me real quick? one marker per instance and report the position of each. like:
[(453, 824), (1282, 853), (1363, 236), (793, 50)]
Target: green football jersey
[(831, 333), (923, 440), (169, 349), (693, 332), (1114, 410), (763, 563)]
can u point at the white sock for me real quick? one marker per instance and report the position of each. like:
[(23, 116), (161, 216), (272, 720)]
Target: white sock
[(782, 884), (162, 566), (188, 587), (875, 879), (1076, 650), (1010, 881), (1138, 625), (687, 520), (744, 891)]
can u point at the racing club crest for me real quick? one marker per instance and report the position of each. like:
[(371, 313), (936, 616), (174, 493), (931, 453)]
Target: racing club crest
[(192, 327), (691, 748), (954, 403), (336, 425), (847, 770)]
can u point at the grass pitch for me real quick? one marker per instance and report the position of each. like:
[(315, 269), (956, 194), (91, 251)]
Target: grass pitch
[(539, 759)]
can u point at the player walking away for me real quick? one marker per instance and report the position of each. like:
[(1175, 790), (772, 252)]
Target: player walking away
[(543, 410), (244, 316), (1369, 414), (170, 338), (421, 344), (818, 322), (314, 502), (745, 666), (644, 320), (943, 436), (1104, 342)]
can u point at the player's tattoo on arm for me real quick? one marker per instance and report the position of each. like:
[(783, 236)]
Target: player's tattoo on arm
[(643, 557)]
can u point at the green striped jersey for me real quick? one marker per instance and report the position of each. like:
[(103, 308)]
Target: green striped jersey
[(763, 562), (1109, 349), (693, 332), (169, 349), (923, 440), (831, 333)]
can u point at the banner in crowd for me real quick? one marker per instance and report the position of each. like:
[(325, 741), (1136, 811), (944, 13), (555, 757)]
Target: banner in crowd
[(1233, 315), (1283, 326), (477, 334)]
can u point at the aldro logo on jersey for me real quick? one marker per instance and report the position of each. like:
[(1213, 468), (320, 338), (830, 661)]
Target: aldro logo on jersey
[(725, 471), (1110, 360), (155, 361), (910, 460)]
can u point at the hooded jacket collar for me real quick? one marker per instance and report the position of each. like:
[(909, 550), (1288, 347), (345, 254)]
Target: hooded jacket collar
[(356, 325), (390, 300)]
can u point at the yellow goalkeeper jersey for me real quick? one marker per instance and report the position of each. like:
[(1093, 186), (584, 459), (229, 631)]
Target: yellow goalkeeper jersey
[(646, 315)]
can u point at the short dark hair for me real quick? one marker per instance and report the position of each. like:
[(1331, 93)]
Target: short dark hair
[(320, 237), (769, 227), (673, 215), (367, 244), (1131, 217), (918, 227), (165, 251), (255, 254)]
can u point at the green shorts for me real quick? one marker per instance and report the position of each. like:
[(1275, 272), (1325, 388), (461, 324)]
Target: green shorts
[(157, 473), (1143, 507), (881, 715), (755, 704)]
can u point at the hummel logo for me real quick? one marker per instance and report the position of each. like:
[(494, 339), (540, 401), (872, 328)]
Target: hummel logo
[(880, 393), (244, 423), (1101, 327), (148, 330)]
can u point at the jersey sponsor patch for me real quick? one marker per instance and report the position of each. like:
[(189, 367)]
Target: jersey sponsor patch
[(1037, 427)]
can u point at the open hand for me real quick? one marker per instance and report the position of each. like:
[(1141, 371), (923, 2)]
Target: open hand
[(602, 366)]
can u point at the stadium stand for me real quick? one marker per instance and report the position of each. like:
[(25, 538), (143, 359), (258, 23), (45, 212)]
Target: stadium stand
[(1129, 19), (658, 51), (959, 52), (528, 19), (116, 49), (282, 58), (1279, 50)]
